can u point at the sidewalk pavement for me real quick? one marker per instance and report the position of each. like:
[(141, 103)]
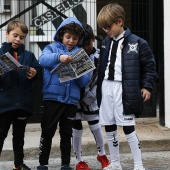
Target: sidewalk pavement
[(152, 136)]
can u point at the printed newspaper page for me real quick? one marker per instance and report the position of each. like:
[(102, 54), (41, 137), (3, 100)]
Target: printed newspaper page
[(8, 63), (80, 65)]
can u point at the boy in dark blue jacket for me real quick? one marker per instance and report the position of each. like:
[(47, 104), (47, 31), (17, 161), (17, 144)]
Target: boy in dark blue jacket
[(16, 100), (127, 70), (60, 99)]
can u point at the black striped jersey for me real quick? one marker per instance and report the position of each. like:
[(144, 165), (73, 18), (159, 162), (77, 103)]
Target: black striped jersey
[(113, 69)]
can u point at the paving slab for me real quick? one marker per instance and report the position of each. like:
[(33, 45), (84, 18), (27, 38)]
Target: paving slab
[(151, 160), (153, 138)]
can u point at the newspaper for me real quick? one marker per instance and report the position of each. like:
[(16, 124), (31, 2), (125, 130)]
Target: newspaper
[(80, 65), (8, 63)]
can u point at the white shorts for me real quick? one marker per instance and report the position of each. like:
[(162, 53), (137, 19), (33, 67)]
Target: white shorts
[(86, 117), (111, 108)]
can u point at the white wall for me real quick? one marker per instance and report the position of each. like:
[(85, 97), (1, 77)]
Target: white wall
[(5, 16), (167, 61)]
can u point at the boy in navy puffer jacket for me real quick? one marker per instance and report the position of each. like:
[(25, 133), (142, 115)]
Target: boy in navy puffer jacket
[(127, 69), (60, 99), (16, 100)]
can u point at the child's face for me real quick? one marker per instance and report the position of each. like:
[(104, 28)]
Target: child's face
[(70, 40), (115, 29), (88, 46), (16, 37)]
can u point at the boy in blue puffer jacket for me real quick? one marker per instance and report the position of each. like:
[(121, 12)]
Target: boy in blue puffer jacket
[(60, 99), (16, 100)]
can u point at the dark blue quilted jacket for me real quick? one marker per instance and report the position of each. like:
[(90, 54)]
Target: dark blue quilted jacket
[(138, 71), (15, 87)]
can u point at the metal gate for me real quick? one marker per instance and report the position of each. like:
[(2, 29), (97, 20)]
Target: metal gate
[(142, 18), (42, 18)]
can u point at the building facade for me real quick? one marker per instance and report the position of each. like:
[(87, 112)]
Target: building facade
[(166, 57), (146, 18)]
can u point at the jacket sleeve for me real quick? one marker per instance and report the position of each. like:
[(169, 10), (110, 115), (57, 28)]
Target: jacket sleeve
[(148, 66), (83, 80), (35, 64), (50, 58), (102, 63)]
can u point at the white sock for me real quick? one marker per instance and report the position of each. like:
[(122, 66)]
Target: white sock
[(135, 149), (77, 144), (99, 138), (113, 144)]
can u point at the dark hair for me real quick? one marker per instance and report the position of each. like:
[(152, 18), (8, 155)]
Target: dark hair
[(17, 23), (72, 28), (89, 35)]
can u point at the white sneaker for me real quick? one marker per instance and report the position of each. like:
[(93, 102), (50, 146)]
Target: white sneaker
[(107, 168), (114, 167), (139, 168)]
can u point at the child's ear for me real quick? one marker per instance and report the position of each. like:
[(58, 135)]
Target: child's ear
[(120, 21), (93, 39), (7, 34)]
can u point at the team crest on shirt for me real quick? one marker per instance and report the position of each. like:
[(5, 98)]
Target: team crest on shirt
[(132, 47), (103, 46)]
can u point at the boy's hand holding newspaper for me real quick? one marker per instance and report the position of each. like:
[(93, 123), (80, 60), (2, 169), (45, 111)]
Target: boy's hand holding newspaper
[(74, 66), (65, 59), (31, 73)]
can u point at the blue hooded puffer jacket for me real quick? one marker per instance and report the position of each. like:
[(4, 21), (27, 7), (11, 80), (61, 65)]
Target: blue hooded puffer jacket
[(66, 92)]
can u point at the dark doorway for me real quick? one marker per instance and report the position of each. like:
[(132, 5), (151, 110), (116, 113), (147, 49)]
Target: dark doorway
[(142, 17)]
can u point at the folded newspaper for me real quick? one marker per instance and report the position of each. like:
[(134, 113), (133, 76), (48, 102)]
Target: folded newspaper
[(8, 63), (80, 65)]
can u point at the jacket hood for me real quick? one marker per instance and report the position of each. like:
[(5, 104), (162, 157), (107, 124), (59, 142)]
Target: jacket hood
[(65, 22)]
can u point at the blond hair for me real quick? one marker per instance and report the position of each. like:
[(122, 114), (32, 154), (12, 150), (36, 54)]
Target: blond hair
[(110, 14)]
